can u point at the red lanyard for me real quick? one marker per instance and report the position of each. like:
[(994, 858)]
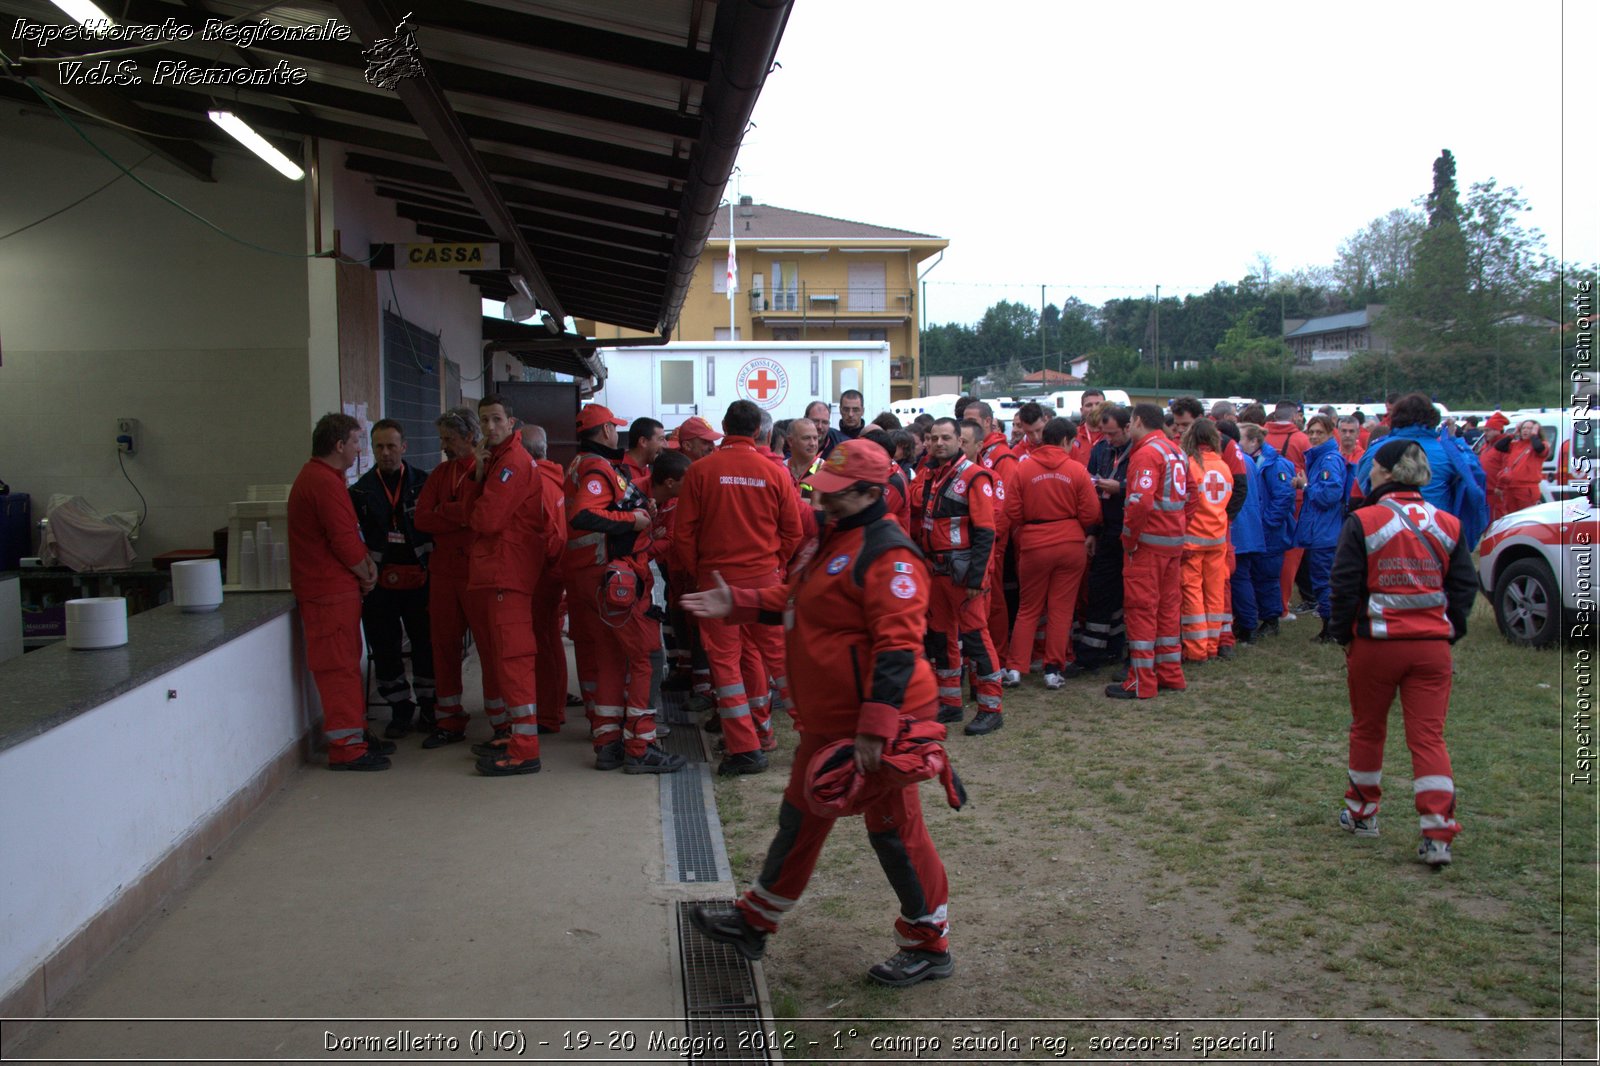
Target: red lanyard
[(394, 497), (459, 480)]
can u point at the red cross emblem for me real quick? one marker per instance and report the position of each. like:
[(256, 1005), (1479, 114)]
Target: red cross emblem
[(762, 383), (1418, 515), (1215, 487)]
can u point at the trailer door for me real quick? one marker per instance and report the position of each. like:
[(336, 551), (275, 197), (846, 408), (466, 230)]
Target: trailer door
[(675, 385)]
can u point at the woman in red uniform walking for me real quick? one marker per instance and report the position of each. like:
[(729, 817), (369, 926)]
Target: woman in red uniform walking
[(1402, 586), (855, 612)]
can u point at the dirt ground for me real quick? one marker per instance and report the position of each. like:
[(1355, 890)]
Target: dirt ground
[(1150, 873)]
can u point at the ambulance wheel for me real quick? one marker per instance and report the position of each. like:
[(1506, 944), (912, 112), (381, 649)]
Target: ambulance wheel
[(1527, 604)]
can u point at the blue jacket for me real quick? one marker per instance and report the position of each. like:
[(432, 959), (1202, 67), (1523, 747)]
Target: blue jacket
[(1245, 529), (1327, 487), (1277, 504), (1457, 485)]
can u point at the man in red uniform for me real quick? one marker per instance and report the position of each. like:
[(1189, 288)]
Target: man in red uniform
[(1031, 418), (646, 439), (983, 442), (726, 498), (1402, 586), (1088, 426), (857, 610), (608, 600), (442, 511), (504, 563), (550, 656), (1051, 504), (696, 438), (1152, 534), (329, 572), (954, 519)]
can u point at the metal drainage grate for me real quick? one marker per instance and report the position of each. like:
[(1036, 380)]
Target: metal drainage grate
[(690, 827), (719, 992), (683, 740)]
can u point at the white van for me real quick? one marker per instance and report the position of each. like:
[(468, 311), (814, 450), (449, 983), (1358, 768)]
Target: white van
[(1070, 401)]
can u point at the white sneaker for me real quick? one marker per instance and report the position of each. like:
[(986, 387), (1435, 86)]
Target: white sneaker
[(1361, 827), (1290, 616), (1011, 678), (1054, 681), (1434, 852)]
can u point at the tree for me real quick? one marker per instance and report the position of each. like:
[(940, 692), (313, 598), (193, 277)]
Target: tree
[(1373, 262), (1115, 365)]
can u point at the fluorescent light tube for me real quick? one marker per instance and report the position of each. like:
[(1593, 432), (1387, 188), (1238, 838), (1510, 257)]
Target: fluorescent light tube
[(81, 11), (241, 132)]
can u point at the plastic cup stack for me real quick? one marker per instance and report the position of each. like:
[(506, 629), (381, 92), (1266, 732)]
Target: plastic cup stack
[(280, 565), (264, 555), (249, 569)]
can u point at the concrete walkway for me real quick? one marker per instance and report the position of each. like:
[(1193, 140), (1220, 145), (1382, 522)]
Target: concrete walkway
[(424, 892)]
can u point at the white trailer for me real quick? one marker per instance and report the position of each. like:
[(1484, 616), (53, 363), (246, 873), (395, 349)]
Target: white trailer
[(670, 382)]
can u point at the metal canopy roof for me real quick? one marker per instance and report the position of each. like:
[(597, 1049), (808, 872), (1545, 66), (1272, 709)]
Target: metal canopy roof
[(592, 137)]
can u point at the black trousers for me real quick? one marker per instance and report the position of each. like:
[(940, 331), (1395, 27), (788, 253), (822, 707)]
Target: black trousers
[(1103, 637), (389, 616)]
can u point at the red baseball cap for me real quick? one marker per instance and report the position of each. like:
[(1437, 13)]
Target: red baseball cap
[(1497, 421), (597, 415), (697, 428), (849, 462)]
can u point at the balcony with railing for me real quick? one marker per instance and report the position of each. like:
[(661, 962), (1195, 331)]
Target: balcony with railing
[(808, 302)]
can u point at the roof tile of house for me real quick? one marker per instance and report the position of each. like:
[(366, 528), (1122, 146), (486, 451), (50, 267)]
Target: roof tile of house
[(779, 223), (1331, 323)]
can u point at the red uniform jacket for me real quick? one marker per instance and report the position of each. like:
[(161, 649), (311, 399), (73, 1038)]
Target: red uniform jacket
[(1084, 443), (508, 517), (324, 537), (738, 514), (955, 520), (630, 469), (996, 455), (553, 501), (1401, 572), (1289, 442), (442, 510), (1158, 482), (1050, 499), (600, 507), (1209, 501), (855, 633), (1521, 463)]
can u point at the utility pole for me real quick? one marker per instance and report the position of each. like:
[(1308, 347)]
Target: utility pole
[(1283, 321), (1042, 374), (1158, 339)]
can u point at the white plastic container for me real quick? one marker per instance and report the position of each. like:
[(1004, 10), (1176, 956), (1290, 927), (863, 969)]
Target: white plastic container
[(197, 585), (280, 565), (243, 562), (97, 622), (264, 544)]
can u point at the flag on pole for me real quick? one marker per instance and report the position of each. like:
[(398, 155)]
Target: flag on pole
[(733, 265)]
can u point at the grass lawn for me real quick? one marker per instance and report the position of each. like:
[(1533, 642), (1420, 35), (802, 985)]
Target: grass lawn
[(1175, 865)]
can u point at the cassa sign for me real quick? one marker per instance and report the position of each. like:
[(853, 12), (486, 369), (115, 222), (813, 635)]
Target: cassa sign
[(763, 382)]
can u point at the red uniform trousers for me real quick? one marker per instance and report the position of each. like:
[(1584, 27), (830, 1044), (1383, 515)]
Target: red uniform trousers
[(957, 632), (333, 655), (999, 622), (1420, 671), (502, 624), (897, 833), (1225, 639), (747, 663), (613, 665), (1291, 567), (482, 617), (1516, 497), (1152, 604), (550, 658), (447, 624), (1051, 575), (1205, 581)]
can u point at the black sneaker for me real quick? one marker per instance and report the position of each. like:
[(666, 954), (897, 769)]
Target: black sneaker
[(949, 715), (609, 757), (440, 737), (1074, 669), (653, 761), (371, 760), (908, 967), (500, 766), (1269, 628), (1117, 692), (1305, 607), (746, 762), (729, 927), (712, 724), (984, 723), (395, 730), (382, 747), (495, 745), (1225, 652)]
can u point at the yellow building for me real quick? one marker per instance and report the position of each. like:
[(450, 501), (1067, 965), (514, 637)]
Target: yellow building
[(808, 277)]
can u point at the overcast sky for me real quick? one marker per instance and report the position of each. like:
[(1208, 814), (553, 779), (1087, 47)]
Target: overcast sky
[(1101, 149)]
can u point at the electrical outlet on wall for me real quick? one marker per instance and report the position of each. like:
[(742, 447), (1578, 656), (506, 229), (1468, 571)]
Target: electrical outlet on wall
[(127, 434)]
